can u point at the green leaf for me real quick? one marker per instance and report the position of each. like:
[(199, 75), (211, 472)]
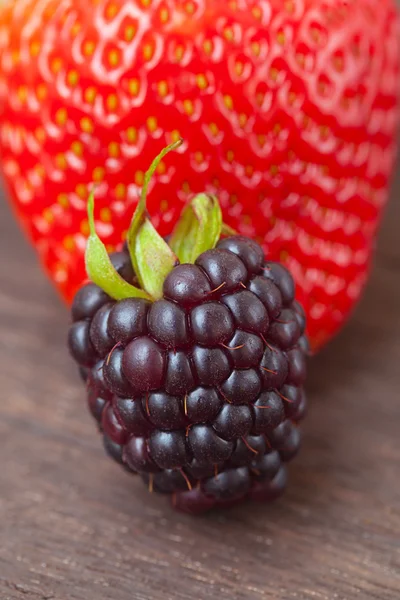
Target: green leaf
[(100, 268), (151, 256), (198, 229)]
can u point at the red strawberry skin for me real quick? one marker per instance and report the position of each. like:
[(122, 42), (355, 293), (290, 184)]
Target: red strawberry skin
[(288, 110)]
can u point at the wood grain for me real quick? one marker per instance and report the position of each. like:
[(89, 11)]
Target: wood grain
[(73, 526)]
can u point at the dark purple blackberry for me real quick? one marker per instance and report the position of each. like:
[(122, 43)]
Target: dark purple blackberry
[(224, 270), (169, 449), (211, 324), (202, 405), (242, 386), (88, 299), (131, 413), (99, 336), (187, 285), (285, 331), (112, 426), (265, 467), (268, 293), (266, 491), (228, 485), (297, 366), (137, 456), (200, 391), (96, 404), (282, 279), (113, 449), (179, 378), (165, 412), (208, 447), (143, 364), (249, 252), (96, 381), (211, 365), (80, 345), (114, 376), (248, 311), (269, 412), (128, 320), (233, 422), (167, 323)]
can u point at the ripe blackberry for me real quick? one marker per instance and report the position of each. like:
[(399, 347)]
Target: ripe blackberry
[(198, 388)]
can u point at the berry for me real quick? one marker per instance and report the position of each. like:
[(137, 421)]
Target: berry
[(97, 382), (293, 397), (113, 450), (187, 285), (88, 300), (99, 336), (136, 456), (96, 405), (167, 324), (274, 367), (232, 483), (114, 376), (168, 481), (268, 293), (233, 422), (246, 449), (179, 378), (128, 320), (297, 366), (212, 365), (265, 467), (282, 279), (169, 449), (193, 501), (268, 412), (245, 349), (197, 388), (291, 446), (249, 252), (269, 490), (242, 386), (201, 388), (207, 446), (285, 332), (165, 411), (249, 312), (80, 345), (131, 414), (202, 405), (211, 324), (112, 427), (143, 364), (224, 270)]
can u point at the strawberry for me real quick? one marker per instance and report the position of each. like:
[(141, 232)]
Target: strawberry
[(287, 109)]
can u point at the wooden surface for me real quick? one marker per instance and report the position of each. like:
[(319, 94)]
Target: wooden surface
[(73, 526)]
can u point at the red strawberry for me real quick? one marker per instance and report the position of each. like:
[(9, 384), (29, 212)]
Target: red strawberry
[(287, 108)]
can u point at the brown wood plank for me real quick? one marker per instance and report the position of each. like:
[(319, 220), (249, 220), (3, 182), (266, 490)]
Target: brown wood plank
[(75, 527)]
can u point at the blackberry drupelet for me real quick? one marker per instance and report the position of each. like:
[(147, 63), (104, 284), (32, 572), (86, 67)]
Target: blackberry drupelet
[(199, 392), (198, 389)]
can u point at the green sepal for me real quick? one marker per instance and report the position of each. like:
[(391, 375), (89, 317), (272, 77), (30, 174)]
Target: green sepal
[(198, 229), (100, 268), (151, 256), (228, 231)]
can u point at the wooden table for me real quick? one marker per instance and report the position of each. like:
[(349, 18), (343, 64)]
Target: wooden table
[(73, 526)]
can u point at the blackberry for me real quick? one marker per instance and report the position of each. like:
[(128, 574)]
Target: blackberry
[(198, 389)]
